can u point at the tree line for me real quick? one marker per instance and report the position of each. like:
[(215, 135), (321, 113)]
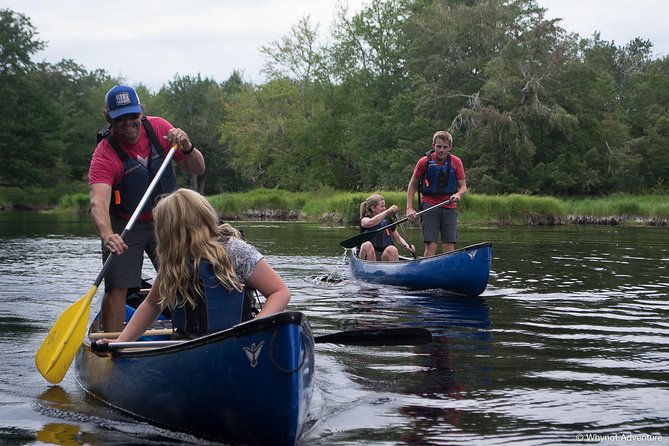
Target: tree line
[(533, 109)]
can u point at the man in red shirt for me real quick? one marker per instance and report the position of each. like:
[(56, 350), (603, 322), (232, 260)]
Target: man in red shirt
[(438, 176), (123, 165)]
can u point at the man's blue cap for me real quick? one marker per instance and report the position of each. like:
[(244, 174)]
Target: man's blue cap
[(121, 100)]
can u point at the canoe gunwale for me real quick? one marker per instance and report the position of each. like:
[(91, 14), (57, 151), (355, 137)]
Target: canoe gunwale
[(434, 258), (245, 328)]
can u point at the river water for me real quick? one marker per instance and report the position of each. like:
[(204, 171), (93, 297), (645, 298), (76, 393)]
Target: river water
[(568, 345)]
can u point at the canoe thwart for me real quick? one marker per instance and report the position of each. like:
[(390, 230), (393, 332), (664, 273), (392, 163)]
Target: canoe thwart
[(116, 334)]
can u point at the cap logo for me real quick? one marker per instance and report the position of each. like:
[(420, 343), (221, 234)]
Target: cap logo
[(123, 98)]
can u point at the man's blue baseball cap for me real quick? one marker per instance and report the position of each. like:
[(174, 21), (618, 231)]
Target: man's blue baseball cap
[(121, 100)]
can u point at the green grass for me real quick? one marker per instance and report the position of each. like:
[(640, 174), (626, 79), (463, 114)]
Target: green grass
[(511, 209), (67, 197), (475, 209), (74, 202), (621, 205), (272, 199), (338, 207)]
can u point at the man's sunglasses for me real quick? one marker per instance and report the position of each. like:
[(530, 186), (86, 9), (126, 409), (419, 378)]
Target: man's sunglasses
[(131, 116)]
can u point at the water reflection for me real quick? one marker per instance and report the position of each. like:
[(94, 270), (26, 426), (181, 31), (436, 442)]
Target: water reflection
[(462, 331), (417, 383), (61, 434), (76, 418)]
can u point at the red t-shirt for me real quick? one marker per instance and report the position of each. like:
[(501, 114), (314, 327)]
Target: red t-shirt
[(106, 167), (434, 199)]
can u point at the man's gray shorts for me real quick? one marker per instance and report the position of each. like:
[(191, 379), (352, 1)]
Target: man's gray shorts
[(125, 270), (440, 221)]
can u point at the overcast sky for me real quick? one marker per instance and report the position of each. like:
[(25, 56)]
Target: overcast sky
[(150, 41)]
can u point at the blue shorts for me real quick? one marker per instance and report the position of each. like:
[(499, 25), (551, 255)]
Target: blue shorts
[(440, 222), (125, 270)]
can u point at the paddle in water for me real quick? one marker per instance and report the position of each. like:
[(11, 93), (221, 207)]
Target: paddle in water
[(365, 337), (378, 336), (54, 357)]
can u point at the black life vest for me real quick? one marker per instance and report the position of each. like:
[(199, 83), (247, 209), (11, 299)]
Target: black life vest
[(384, 238), (127, 194), (217, 310)]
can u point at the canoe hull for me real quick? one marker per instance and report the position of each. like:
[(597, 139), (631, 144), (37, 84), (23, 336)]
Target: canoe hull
[(465, 271), (251, 384)]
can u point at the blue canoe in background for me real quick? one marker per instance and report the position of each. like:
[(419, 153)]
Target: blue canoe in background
[(250, 384), (464, 271)]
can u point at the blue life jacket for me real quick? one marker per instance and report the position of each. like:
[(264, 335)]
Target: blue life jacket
[(438, 180), (384, 238), (136, 177), (218, 310)]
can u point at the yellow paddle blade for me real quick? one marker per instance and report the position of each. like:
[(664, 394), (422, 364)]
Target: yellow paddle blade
[(58, 350)]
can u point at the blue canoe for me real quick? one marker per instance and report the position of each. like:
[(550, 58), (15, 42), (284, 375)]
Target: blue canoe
[(464, 271), (250, 384)]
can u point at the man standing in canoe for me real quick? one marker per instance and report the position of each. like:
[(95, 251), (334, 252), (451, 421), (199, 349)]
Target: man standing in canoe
[(438, 176), (123, 165)]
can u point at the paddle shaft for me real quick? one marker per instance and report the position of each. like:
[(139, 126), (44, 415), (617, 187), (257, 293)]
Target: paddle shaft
[(368, 235), (406, 239), (380, 336)]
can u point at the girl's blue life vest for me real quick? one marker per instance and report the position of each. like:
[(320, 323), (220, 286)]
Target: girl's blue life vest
[(438, 180), (217, 310), (136, 176), (384, 238)]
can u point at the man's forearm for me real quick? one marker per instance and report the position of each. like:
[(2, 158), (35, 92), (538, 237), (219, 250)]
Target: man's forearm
[(193, 163)]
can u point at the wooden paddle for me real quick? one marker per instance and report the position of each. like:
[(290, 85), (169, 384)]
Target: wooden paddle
[(116, 334), (368, 235), (54, 357), (367, 337)]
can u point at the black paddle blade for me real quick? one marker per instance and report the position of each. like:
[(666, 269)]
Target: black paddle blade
[(358, 240), (380, 336)]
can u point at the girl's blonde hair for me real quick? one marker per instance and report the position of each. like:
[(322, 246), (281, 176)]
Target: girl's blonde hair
[(368, 204), (187, 232)]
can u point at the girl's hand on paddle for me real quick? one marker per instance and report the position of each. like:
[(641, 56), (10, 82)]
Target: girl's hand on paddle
[(99, 347), (411, 214), (393, 209), (114, 243)]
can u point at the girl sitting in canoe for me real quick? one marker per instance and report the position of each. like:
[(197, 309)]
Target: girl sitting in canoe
[(374, 215), (204, 268)]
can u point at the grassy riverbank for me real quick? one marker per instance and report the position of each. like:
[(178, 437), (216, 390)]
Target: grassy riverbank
[(343, 207)]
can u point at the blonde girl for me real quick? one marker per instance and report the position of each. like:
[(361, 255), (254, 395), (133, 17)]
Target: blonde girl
[(188, 234), (374, 215)]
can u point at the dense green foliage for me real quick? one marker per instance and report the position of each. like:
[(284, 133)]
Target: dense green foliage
[(534, 110)]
